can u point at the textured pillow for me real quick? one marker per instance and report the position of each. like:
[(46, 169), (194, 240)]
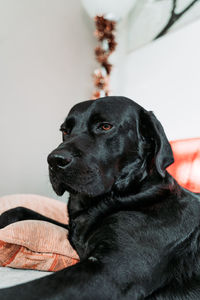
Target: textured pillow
[(34, 244)]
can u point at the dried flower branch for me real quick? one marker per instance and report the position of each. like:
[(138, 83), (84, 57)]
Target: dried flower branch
[(105, 34)]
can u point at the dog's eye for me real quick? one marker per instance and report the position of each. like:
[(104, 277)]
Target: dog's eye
[(105, 126)]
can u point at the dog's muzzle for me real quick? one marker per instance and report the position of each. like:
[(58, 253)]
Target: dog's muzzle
[(59, 159)]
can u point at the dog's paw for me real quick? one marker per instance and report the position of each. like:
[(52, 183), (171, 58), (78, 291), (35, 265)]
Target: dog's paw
[(8, 217), (92, 258), (3, 220)]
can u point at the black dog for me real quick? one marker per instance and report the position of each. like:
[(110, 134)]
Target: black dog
[(135, 229)]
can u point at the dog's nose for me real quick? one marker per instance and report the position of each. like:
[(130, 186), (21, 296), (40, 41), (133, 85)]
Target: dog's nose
[(60, 160)]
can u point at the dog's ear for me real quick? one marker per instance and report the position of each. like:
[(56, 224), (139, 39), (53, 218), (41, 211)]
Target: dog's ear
[(152, 132)]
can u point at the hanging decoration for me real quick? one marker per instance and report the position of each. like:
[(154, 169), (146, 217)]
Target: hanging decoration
[(106, 14), (105, 34)]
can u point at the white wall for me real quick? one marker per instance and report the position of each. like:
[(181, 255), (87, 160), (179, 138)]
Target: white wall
[(46, 60), (164, 76)]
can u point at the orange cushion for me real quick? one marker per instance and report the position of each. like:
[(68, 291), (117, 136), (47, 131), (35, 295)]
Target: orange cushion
[(186, 167), (32, 244)]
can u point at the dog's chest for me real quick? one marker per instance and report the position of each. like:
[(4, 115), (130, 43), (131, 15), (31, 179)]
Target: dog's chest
[(80, 223), (78, 236)]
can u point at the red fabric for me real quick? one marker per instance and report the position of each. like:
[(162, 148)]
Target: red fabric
[(186, 168)]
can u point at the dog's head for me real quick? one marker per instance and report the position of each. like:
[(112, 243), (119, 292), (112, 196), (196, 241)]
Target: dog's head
[(109, 143)]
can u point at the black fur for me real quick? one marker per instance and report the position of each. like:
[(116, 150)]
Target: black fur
[(135, 229)]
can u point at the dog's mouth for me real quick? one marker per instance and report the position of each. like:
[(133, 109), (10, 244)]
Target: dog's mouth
[(59, 186), (88, 182)]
